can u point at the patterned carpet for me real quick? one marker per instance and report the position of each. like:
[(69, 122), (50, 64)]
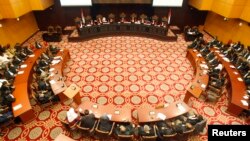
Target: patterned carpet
[(124, 71)]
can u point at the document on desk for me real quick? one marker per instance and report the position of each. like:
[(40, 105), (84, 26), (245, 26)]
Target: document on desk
[(226, 59), (55, 62), (51, 69), (161, 116), (20, 72), (203, 86), (23, 66), (236, 73), (198, 55), (244, 102), (246, 97), (52, 82), (239, 79), (33, 55), (19, 106), (217, 51), (232, 66), (117, 112), (180, 107)]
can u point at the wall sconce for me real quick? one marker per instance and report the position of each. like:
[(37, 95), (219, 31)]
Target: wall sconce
[(240, 24), (1, 25), (17, 19), (225, 19)]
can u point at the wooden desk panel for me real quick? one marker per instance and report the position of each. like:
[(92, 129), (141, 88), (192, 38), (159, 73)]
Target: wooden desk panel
[(118, 114), (238, 88), (201, 77), (59, 85), (149, 114), (22, 107)]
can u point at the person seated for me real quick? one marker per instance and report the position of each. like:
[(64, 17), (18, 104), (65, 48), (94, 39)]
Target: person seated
[(38, 45), (43, 74), (16, 61), (43, 85), (243, 67), (53, 49), (124, 129), (10, 51), (213, 42), (146, 130), (88, 120), (182, 126), (164, 128), (8, 98), (13, 68), (43, 64), (45, 96), (6, 87), (28, 50), (104, 20), (210, 56), (193, 118), (9, 75), (5, 116), (204, 50), (217, 83), (105, 123), (21, 54), (72, 118)]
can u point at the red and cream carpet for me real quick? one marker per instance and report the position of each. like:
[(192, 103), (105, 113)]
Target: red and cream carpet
[(124, 71)]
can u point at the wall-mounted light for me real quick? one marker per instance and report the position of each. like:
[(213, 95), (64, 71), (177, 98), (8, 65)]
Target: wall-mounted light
[(225, 19), (240, 24), (1, 25), (17, 19)]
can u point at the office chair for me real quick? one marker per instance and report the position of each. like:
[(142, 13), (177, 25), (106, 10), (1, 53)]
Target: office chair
[(86, 131), (51, 30), (103, 134)]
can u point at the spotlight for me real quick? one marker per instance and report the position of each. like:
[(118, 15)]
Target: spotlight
[(240, 24), (17, 19)]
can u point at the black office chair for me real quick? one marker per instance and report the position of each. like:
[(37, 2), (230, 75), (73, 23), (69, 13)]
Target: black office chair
[(51, 30)]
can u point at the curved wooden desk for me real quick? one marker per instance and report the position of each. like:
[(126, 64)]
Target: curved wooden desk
[(150, 114), (200, 82), (118, 114), (57, 83), (238, 88), (22, 107), (116, 29)]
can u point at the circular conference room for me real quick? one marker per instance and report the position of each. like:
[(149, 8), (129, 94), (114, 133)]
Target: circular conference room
[(153, 70)]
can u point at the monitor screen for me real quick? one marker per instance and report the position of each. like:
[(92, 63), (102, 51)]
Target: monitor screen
[(76, 2), (167, 3)]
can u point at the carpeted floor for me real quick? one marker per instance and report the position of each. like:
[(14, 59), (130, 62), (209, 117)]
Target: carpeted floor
[(124, 71)]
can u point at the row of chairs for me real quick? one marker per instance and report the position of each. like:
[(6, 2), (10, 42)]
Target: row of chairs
[(96, 132)]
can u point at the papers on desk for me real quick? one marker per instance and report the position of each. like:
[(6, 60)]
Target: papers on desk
[(80, 110), (180, 107), (235, 72), (203, 66), (61, 49), (198, 55), (217, 51), (117, 112), (20, 72), (127, 22), (221, 55), (244, 102), (57, 57), (19, 106), (88, 25), (51, 69), (161, 116), (55, 62), (195, 50), (33, 55), (204, 71), (52, 82), (151, 112), (239, 79), (203, 86), (226, 59), (232, 66), (95, 106), (246, 97), (23, 66)]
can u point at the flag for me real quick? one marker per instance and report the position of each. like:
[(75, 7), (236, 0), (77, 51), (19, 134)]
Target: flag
[(169, 16), (82, 16)]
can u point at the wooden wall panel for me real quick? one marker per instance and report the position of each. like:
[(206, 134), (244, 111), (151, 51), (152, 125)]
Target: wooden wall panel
[(64, 16), (201, 4), (14, 31), (227, 30), (245, 15)]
